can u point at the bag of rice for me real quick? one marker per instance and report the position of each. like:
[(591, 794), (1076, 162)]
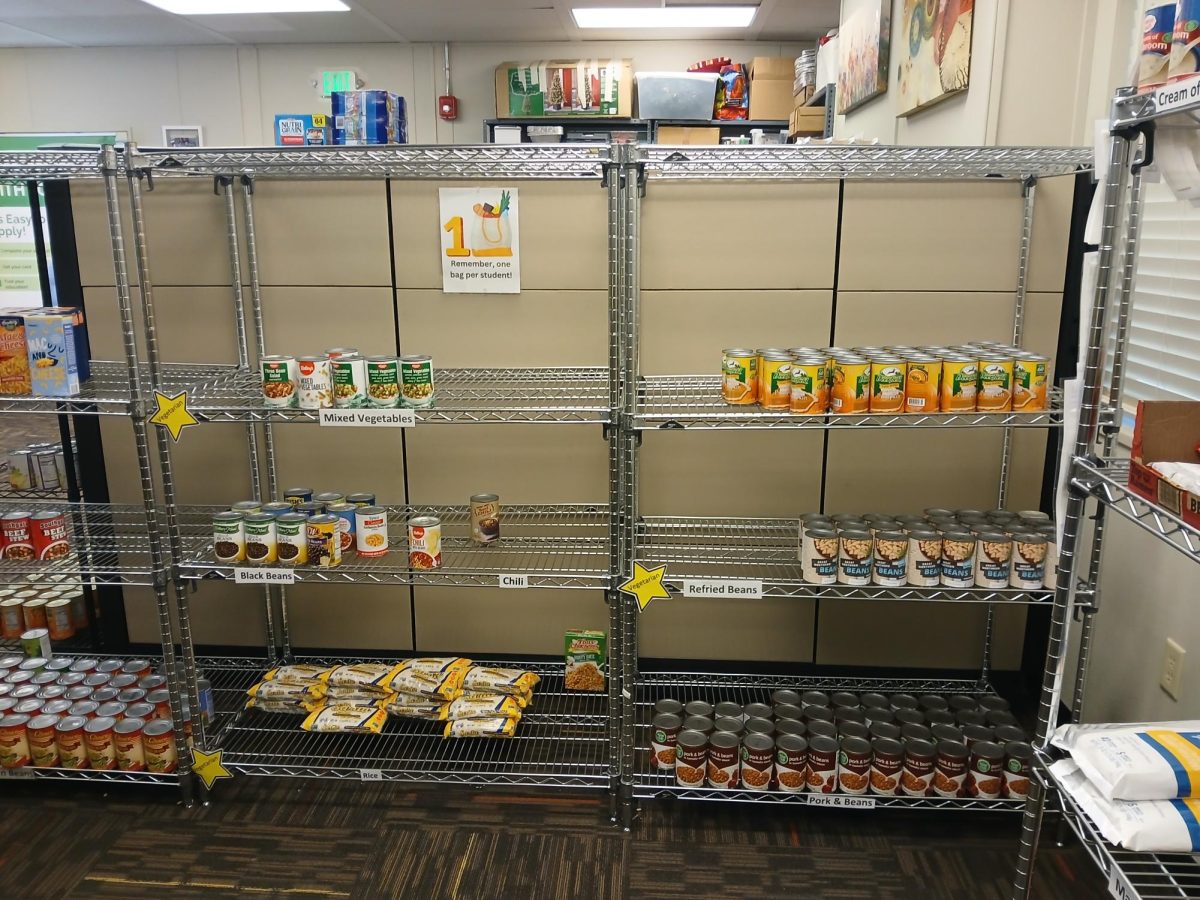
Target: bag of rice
[(1137, 761), (442, 686), (503, 681), (346, 719), (501, 727), (372, 677), (424, 708), (484, 709), (435, 665), (298, 674), (1155, 826), (522, 700), (291, 707), (284, 691)]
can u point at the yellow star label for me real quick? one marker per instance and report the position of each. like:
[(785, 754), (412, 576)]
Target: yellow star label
[(208, 767), (173, 413), (646, 584)]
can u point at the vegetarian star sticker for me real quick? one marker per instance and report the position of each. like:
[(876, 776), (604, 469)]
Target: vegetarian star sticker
[(173, 413), (208, 766), (646, 584)]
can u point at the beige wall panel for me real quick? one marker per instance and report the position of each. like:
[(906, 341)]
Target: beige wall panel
[(933, 237), (778, 629), (211, 464), (354, 616), (220, 614), (738, 236), (186, 233), (533, 328), (92, 241), (195, 324), (309, 320), (564, 234), (322, 232), (727, 473), (523, 463), (934, 635), (104, 323), (326, 460), (684, 332), (484, 621), (1051, 233)]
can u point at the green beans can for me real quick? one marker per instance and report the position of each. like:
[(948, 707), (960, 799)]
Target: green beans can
[(383, 381), (416, 380), (349, 381)]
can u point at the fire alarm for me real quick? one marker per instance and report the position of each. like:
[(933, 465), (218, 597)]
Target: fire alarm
[(448, 108)]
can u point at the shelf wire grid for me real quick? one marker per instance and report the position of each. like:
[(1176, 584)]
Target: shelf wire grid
[(463, 397), (756, 688), (715, 548), (694, 401), (1137, 108), (107, 392), (561, 741), (554, 545), (50, 165), (1108, 481)]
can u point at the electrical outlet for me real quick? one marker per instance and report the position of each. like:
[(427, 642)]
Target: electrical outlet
[(1171, 679)]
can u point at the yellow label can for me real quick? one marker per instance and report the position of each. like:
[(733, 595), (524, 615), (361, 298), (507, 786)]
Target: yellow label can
[(810, 388), (851, 389), (960, 375), (1030, 378), (775, 380), (995, 383), (888, 376), (923, 385), (739, 371)]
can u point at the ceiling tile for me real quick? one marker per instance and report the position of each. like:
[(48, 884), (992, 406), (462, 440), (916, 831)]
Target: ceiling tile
[(12, 36)]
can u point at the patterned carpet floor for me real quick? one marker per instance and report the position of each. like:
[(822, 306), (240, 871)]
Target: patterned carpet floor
[(305, 839)]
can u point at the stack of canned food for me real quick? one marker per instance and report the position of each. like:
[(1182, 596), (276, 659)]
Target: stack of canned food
[(43, 605), (344, 378), (320, 530), (79, 713), (40, 467), (977, 377), (916, 746), (42, 535), (962, 548)]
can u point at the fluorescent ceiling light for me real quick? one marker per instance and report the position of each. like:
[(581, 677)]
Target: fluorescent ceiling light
[(664, 16), (242, 7)]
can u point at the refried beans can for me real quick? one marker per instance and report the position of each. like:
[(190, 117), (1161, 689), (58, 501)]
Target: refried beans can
[(887, 761), (127, 736), (758, 762), (917, 775), (370, 527), (485, 518), (158, 746), (68, 737), (14, 741), (664, 732), (691, 757), (1018, 759), (43, 751), (950, 768), (98, 738), (822, 764), (51, 536), (722, 768), (985, 777), (424, 542), (791, 763), (854, 765)]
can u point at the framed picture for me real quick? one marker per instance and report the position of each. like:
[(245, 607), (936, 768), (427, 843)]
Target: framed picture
[(935, 52), (183, 136), (863, 44)]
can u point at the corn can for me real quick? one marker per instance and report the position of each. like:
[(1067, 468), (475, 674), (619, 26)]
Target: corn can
[(923, 384), (424, 542), (774, 379), (1030, 374), (739, 376), (810, 388), (995, 383), (851, 389), (888, 377), (324, 544), (960, 375)]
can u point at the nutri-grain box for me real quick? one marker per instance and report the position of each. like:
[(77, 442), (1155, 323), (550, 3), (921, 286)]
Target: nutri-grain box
[(586, 657), (54, 365), (14, 354)]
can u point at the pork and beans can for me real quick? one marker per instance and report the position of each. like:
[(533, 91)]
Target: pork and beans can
[(370, 529), (887, 763), (721, 769), (1018, 759), (424, 542), (822, 764), (349, 381), (324, 543), (985, 772), (485, 518), (664, 732), (691, 758), (281, 379), (416, 380), (791, 763), (739, 376), (774, 379), (262, 547), (383, 381), (917, 774), (291, 534), (316, 382), (854, 765), (229, 537), (50, 534), (758, 762), (158, 746), (347, 526), (950, 768)]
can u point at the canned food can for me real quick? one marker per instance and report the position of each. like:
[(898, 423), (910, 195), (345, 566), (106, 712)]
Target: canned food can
[(722, 765), (60, 462), (316, 382), (277, 508), (247, 507), (349, 381), (17, 533), (371, 534), (691, 758), (1028, 561), (855, 549), (58, 619), (12, 618), (1018, 762), (985, 775), (152, 682), (923, 384), (158, 746), (291, 534), (34, 611), (887, 762), (888, 378), (22, 474), (311, 508), (664, 732), (79, 611), (1030, 377), (819, 562), (85, 665), (204, 694), (31, 706), (127, 738), (950, 768), (995, 383), (47, 471), (229, 537), (424, 542), (328, 498), (924, 558), (161, 700), (958, 559), (416, 380), (338, 352), (143, 711), (324, 543), (361, 498), (98, 738), (68, 738), (111, 709), (822, 764), (739, 376), (850, 391), (14, 741), (993, 560), (298, 495), (485, 518), (121, 680), (810, 388), (791, 763), (262, 548), (774, 380), (345, 513), (43, 752), (280, 378), (383, 381), (960, 377), (891, 558), (131, 695), (917, 774)]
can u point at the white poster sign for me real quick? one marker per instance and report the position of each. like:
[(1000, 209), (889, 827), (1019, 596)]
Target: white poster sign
[(481, 250)]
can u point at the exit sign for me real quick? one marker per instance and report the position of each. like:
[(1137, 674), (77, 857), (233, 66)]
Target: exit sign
[(342, 80)]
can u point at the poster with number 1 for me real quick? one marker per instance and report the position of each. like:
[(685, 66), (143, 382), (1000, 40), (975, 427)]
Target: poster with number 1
[(481, 249)]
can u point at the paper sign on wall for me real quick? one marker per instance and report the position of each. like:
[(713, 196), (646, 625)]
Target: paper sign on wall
[(481, 250)]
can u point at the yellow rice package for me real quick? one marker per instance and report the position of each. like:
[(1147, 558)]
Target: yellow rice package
[(484, 709), (283, 691), (346, 719), (445, 686), (501, 727), (348, 696), (435, 665), (372, 677), (298, 674), (291, 707), (425, 708), (522, 700), (501, 681)]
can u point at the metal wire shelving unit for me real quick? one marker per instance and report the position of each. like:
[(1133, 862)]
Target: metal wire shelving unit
[(1095, 474)]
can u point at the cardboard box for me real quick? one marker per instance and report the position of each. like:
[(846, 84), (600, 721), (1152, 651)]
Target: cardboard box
[(1166, 431), (771, 79), (14, 354), (807, 120), (689, 134), (54, 362), (368, 117), (302, 130), (564, 87), (586, 657)]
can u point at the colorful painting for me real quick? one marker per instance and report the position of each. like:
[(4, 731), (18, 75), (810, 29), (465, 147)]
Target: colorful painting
[(863, 43), (935, 52)]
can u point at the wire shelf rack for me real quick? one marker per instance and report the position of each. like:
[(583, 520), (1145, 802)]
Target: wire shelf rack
[(107, 391), (110, 544), (50, 165), (464, 396), (698, 549), (558, 545), (562, 741), (1108, 480), (1149, 876), (1178, 98), (751, 688), (694, 401)]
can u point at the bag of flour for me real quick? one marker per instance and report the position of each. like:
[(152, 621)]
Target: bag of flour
[(1137, 761)]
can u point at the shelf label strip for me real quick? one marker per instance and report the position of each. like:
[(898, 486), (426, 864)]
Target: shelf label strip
[(368, 418), (747, 588), (512, 580), (22, 774), (370, 774), (1176, 95), (841, 801), (1119, 886), (244, 575)]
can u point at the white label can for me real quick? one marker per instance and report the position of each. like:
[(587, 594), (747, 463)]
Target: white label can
[(371, 538), (854, 558), (819, 556), (993, 561), (924, 558), (316, 382), (1028, 562)]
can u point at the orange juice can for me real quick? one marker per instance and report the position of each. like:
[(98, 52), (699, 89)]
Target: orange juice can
[(739, 376), (960, 375), (995, 383), (851, 388), (810, 385), (1030, 376), (774, 379), (923, 385), (888, 376)]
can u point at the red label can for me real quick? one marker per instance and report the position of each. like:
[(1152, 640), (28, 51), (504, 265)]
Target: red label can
[(50, 537), (15, 535)]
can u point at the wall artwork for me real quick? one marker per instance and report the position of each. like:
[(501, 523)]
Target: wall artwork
[(863, 43), (935, 52), (183, 137)]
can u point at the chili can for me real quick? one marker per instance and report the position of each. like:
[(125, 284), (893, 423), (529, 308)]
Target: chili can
[(14, 741), (51, 539), (424, 542), (262, 547), (316, 382), (229, 537), (324, 543), (383, 381), (17, 533), (416, 380), (370, 529), (127, 737), (349, 381), (280, 379), (291, 534), (485, 518)]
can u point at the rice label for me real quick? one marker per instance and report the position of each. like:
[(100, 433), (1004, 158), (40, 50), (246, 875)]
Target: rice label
[(729, 587), (243, 575), (369, 418)]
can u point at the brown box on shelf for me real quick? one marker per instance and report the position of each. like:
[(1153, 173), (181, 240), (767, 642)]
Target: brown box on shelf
[(807, 120), (689, 134), (1166, 431), (771, 79), (564, 87)]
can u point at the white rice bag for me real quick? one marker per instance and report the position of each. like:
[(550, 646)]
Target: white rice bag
[(1137, 761)]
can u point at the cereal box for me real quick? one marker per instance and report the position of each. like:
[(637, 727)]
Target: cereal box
[(586, 656), (14, 354), (53, 366)]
